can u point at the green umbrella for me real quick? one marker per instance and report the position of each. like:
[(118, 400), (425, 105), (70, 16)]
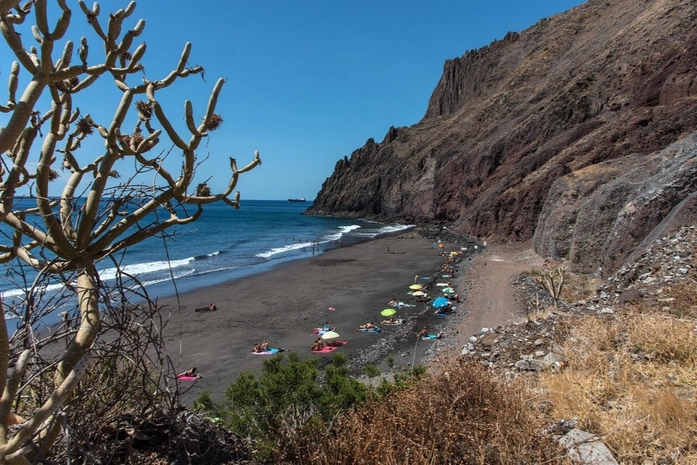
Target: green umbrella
[(388, 312)]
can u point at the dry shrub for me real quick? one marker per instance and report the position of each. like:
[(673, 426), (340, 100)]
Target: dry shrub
[(463, 415), (662, 337), (683, 299), (631, 379), (578, 287)]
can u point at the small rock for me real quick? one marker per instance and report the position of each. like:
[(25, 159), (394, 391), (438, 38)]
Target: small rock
[(530, 365), (584, 447)]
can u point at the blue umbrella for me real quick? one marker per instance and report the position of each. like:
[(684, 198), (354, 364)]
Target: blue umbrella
[(439, 302)]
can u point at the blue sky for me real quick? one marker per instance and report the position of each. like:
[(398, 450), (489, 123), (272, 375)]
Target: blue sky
[(308, 82)]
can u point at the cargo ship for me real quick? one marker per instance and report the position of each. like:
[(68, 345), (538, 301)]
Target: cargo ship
[(299, 199)]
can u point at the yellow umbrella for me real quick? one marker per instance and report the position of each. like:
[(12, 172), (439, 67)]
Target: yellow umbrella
[(330, 335), (416, 287)]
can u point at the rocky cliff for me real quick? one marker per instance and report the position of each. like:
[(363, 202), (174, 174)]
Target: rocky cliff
[(573, 132)]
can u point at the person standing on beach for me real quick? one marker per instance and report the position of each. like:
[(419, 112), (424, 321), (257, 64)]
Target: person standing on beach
[(416, 279)]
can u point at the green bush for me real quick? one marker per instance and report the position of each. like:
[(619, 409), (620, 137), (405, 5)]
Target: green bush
[(286, 396), (372, 371)]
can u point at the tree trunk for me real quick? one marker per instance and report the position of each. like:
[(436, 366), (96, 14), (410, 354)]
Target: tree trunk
[(88, 300)]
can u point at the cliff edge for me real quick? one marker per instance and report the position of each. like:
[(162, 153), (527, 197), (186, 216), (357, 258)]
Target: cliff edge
[(575, 133)]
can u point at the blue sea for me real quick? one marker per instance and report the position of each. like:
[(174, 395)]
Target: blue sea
[(225, 244)]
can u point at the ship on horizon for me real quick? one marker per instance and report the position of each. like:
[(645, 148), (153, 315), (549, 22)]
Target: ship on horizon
[(298, 199)]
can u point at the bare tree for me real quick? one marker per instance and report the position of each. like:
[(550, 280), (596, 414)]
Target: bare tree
[(553, 282), (96, 215)]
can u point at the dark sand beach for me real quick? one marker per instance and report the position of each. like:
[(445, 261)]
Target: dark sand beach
[(285, 304)]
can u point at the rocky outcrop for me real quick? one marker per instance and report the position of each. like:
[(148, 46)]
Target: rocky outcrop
[(534, 134), (598, 216)]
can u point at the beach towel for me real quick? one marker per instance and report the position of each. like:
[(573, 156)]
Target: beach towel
[(186, 378), (323, 329), (271, 351), (325, 350), (204, 309), (373, 330), (328, 349), (430, 336)]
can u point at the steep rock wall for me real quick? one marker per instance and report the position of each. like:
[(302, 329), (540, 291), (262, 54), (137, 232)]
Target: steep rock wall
[(603, 81)]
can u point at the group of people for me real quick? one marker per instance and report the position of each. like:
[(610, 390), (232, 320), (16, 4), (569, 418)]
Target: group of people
[(320, 344), (263, 347)]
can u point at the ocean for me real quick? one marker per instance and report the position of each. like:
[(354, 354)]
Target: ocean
[(223, 245)]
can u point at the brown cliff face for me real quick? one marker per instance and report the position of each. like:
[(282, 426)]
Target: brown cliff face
[(593, 91)]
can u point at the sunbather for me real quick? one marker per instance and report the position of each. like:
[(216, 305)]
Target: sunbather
[(264, 346), (190, 373), (423, 332), (389, 321), (368, 326), (257, 348), (318, 345)]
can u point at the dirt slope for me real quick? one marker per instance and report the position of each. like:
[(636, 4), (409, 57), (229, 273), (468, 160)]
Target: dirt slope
[(492, 299)]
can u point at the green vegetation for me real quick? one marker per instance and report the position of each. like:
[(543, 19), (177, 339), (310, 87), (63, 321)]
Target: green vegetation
[(290, 394), (293, 398)]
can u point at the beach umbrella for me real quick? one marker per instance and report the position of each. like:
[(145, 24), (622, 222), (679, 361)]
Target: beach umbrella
[(388, 312), (416, 287), (449, 290), (418, 294), (439, 302), (330, 335)]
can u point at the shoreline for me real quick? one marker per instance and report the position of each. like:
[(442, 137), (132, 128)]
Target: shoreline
[(166, 289), (284, 304)]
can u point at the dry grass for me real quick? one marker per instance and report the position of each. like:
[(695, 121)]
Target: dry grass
[(631, 378), (463, 415), (578, 287)]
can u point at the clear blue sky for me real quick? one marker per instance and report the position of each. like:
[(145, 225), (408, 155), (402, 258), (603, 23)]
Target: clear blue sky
[(308, 81)]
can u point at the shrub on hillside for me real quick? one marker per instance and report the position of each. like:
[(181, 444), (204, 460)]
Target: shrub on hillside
[(289, 399), (463, 415)]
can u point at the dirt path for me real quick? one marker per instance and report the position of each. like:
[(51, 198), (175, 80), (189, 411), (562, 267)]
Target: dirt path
[(492, 300)]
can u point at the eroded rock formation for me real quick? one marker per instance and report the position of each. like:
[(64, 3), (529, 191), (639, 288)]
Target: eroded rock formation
[(562, 133)]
